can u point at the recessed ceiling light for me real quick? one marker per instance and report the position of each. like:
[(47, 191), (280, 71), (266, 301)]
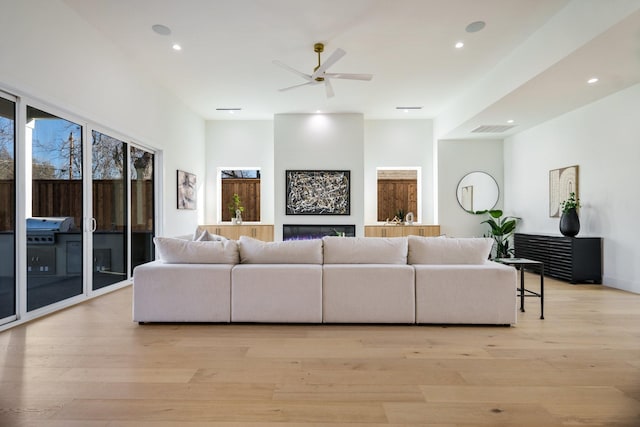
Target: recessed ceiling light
[(176, 46), (408, 108), (474, 27), (459, 45), (160, 29), (318, 111), (229, 109), (592, 80), (510, 121)]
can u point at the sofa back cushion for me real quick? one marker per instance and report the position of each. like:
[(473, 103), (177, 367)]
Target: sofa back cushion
[(365, 250), (445, 250), (253, 251), (178, 251)]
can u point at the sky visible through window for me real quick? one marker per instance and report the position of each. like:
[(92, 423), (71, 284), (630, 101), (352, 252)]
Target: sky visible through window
[(57, 148)]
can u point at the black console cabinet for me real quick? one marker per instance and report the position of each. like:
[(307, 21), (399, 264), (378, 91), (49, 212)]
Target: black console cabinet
[(576, 259)]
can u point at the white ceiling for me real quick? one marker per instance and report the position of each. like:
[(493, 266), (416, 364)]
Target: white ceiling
[(408, 46)]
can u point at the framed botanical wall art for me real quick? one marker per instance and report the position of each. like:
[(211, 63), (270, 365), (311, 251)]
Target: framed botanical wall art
[(186, 190), (318, 192), (562, 182)]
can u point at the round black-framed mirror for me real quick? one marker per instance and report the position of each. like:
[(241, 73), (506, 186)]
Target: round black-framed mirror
[(477, 191)]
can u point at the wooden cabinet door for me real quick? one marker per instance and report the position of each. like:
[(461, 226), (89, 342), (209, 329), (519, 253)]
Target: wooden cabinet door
[(373, 231), (260, 232), (401, 230), (384, 231), (422, 230)]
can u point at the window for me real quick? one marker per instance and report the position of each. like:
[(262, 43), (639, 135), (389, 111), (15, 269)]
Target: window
[(245, 182), (398, 193)]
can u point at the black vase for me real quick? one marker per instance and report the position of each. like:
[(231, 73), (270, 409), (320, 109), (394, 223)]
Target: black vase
[(570, 223)]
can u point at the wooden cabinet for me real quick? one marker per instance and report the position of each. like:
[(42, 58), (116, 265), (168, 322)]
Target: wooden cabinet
[(576, 259), (257, 231), (401, 230)]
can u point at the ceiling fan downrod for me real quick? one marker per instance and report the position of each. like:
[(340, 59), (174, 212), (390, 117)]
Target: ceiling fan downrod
[(318, 48)]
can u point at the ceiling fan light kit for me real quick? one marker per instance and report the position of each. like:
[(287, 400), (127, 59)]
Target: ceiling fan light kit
[(320, 75)]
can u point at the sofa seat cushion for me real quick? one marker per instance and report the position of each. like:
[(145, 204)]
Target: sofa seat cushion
[(178, 251), (253, 251), (182, 292), (466, 294), (365, 250), (368, 293), (276, 293), (444, 250)]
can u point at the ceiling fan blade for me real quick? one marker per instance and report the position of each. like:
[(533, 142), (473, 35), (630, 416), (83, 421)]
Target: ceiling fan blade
[(293, 70), (349, 76), (328, 88), (335, 56), (312, 82)]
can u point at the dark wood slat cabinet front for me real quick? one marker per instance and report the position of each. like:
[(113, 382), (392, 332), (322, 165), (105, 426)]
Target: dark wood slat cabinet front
[(576, 259)]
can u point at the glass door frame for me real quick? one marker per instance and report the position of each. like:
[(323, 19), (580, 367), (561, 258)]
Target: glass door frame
[(22, 202), (16, 147), (88, 259)]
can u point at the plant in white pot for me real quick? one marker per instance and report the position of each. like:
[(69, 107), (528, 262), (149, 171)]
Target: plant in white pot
[(236, 209)]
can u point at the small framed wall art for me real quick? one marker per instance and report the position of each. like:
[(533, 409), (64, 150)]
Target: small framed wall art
[(318, 192), (186, 190)]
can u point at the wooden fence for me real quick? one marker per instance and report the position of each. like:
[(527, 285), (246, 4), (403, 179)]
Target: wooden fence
[(395, 194), (249, 191), (52, 197)]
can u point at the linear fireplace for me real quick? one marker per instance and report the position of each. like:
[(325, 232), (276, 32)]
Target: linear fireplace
[(315, 231)]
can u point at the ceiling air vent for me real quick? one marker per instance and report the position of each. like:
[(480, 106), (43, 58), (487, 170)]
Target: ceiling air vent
[(492, 128)]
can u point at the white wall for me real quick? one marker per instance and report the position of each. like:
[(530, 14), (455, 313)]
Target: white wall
[(49, 53), (398, 143), (246, 143), (602, 138), (456, 158), (319, 141)]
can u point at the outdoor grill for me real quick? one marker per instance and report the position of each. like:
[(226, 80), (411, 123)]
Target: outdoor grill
[(42, 230)]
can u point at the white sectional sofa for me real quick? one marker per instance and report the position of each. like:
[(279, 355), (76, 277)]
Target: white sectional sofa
[(403, 280)]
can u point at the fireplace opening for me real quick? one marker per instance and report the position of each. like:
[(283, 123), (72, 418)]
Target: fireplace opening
[(315, 231)]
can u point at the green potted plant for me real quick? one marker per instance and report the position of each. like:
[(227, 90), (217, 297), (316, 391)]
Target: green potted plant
[(501, 230), (571, 203), (236, 208), (569, 221)]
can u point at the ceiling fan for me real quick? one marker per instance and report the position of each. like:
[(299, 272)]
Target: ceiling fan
[(320, 71)]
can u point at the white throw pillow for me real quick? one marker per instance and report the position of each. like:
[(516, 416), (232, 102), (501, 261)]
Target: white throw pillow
[(177, 251), (199, 234), (253, 251), (365, 250), (203, 235), (185, 237), (433, 250)]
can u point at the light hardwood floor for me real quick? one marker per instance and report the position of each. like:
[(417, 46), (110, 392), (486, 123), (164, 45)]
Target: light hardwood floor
[(90, 366)]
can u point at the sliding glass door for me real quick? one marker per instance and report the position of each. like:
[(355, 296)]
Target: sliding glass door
[(110, 219), (55, 215), (77, 211), (142, 206), (7, 210)]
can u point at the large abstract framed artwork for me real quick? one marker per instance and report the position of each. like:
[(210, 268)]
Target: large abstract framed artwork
[(562, 182), (318, 192), (186, 190)]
